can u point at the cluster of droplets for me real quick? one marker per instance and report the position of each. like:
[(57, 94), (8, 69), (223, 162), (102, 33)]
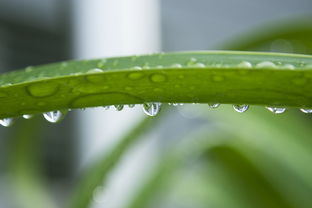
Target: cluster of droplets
[(150, 109)]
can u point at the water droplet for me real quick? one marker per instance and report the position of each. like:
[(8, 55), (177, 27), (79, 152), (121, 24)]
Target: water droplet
[(137, 67), (200, 65), (135, 75), (213, 105), (131, 105), (176, 65), (305, 110), (95, 70), (245, 64), (43, 89), (158, 78), (151, 109), (6, 122), (55, 116), (119, 107), (288, 66), (106, 107), (276, 110), (266, 64), (29, 69), (64, 64), (192, 61), (241, 108), (28, 116), (101, 63)]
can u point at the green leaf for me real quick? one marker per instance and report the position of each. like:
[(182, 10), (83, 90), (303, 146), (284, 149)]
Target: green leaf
[(204, 77)]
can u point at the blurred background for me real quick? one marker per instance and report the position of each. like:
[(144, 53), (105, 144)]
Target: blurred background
[(188, 156)]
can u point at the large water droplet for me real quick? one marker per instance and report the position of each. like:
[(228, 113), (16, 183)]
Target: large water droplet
[(43, 89), (28, 116), (276, 110), (55, 116), (305, 110), (241, 108), (151, 109), (6, 122), (119, 107)]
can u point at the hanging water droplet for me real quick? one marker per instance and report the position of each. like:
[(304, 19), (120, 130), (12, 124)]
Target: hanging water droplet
[(131, 105), (55, 116), (241, 108), (213, 105), (151, 109), (276, 110), (119, 107), (305, 110), (28, 116), (6, 122), (106, 107)]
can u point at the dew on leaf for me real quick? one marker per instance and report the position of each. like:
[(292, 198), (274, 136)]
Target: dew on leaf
[(276, 110), (119, 107), (135, 75), (306, 110), (245, 64), (200, 65), (106, 107), (151, 109), (43, 89), (6, 122), (176, 65), (28, 116), (288, 66), (95, 70), (213, 105), (241, 108), (137, 67), (158, 78), (266, 64), (55, 116)]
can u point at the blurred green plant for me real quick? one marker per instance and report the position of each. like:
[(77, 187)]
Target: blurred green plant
[(245, 160)]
